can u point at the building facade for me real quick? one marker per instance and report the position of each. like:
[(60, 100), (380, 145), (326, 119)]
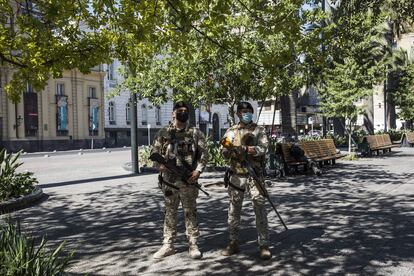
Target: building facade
[(380, 112), (294, 114), (66, 114), (212, 120)]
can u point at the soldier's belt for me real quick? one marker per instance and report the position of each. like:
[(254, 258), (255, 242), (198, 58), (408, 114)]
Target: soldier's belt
[(236, 187), (240, 173)]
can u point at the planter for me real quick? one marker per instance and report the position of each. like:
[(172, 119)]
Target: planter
[(128, 167), (22, 202), (210, 168)]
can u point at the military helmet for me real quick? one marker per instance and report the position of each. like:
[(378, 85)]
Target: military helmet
[(178, 105), (244, 105)]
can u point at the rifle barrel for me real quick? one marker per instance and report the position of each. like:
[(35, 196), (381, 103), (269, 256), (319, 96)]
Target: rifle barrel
[(256, 178)]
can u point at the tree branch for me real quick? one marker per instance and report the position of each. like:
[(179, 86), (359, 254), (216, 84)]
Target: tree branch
[(214, 41), (11, 61)]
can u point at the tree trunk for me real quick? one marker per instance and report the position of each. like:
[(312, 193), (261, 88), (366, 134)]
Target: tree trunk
[(288, 108), (391, 114), (369, 115), (231, 117), (339, 128)]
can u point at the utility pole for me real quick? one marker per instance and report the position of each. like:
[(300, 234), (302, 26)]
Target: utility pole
[(385, 102), (324, 121), (134, 134)]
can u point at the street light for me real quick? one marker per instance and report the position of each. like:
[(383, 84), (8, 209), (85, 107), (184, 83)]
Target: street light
[(149, 134)]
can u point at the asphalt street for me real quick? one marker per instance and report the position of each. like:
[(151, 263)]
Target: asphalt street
[(357, 218)]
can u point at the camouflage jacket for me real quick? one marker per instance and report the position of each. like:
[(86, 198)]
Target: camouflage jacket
[(187, 144), (249, 135)]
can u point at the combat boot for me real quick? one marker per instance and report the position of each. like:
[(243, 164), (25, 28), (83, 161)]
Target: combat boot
[(265, 253), (166, 249), (193, 251), (232, 248)]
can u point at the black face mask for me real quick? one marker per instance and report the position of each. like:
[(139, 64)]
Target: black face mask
[(182, 116)]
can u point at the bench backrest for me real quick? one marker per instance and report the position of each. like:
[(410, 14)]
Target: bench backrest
[(381, 140), (313, 149), (319, 148), (287, 157), (378, 140), (410, 137), (331, 145)]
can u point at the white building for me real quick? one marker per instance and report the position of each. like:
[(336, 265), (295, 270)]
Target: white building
[(376, 111), (150, 117)]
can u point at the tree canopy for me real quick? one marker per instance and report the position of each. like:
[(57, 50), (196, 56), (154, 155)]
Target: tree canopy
[(211, 51)]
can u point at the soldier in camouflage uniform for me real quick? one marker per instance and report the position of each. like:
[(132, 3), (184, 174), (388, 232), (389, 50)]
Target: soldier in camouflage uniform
[(240, 180), (186, 147)]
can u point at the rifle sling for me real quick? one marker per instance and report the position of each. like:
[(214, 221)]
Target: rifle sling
[(162, 181), (170, 185)]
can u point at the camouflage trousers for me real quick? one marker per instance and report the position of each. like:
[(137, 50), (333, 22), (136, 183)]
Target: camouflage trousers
[(187, 195), (236, 202)]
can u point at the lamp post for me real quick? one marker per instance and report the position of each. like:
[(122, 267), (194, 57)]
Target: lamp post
[(134, 134), (149, 134), (385, 101)]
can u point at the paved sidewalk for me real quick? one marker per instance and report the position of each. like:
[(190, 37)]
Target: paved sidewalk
[(358, 218)]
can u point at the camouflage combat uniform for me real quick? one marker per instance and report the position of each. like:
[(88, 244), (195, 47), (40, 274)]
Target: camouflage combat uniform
[(240, 180), (189, 145)]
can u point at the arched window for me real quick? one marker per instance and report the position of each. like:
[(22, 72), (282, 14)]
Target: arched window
[(111, 113), (144, 114), (111, 72), (158, 115), (128, 113)]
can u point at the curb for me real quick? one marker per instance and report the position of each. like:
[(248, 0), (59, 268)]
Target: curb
[(22, 202), (71, 152), (128, 167)]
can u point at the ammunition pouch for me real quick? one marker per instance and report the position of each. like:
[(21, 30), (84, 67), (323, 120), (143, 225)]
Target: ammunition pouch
[(227, 182)]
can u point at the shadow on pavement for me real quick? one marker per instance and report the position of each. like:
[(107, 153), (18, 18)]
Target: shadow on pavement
[(87, 180), (347, 221)]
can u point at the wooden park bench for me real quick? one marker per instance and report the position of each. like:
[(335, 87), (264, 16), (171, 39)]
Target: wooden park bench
[(377, 143), (288, 159), (409, 138), (321, 151)]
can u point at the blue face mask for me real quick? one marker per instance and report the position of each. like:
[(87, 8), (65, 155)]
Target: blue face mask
[(247, 117)]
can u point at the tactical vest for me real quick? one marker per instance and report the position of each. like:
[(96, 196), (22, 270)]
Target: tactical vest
[(246, 137), (181, 146)]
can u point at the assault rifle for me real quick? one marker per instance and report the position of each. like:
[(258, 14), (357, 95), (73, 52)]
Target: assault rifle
[(180, 172), (252, 172)]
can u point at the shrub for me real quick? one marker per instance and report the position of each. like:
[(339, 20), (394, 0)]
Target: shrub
[(13, 184), (143, 155), (339, 140), (351, 157), (216, 158), (20, 256), (395, 135), (358, 136), (309, 138)]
